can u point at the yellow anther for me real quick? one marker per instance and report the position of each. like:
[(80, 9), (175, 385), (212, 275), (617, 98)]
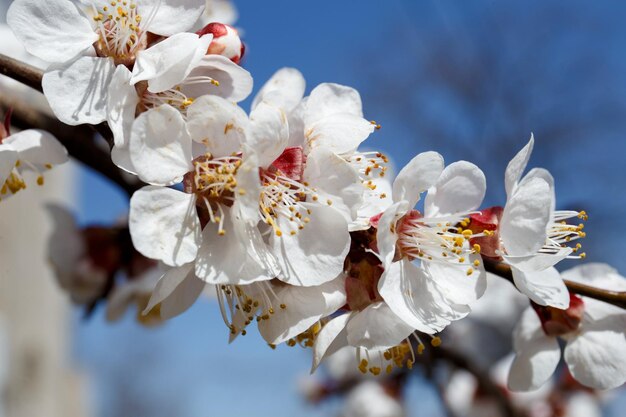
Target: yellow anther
[(436, 341), (375, 370), (409, 362), (476, 248), (470, 271), (583, 255), (476, 263), (283, 306), (461, 260), (40, 180), (215, 82), (420, 348), (279, 232), (467, 233), (241, 191), (221, 232), (389, 369)]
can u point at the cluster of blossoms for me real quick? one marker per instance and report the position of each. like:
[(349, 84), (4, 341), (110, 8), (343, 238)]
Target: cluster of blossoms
[(280, 211)]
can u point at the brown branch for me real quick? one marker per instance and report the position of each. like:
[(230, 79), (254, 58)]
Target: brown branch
[(20, 71), (79, 140), (32, 76), (616, 298)]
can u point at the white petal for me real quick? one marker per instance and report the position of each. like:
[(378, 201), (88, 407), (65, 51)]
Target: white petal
[(330, 339), (160, 146), (235, 83), (219, 124), (455, 284), (460, 188), (38, 147), (121, 157), (328, 99), (225, 259), (77, 92), (537, 355), (164, 225), (286, 87), (415, 298), (122, 102), (304, 307), (53, 30), (377, 327), (386, 235), (335, 180), (167, 283), (269, 133), (544, 287), (373, 203), (525, 218), (417, 176), (596, 357), (341, 132), (183, 297), (596, 274), (539, 261), (516, 167), (315, 254), (8, 158), (296, 125), (170, 16), (168, 62)]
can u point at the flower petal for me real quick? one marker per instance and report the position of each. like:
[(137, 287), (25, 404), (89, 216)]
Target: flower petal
[(315, 254), (537, 355), (164, 225), (341, 132), (77, 91), (329, 99), (224, 259), (516, 167), (219, 124), (122, 102), (596, 274), (53, 30), (525, 218), (417, 176), (596, 356), (168, 17), (377, 327), (8, 158), (167, 63), (539, 261), (269, 133), (38, 147), (182, 297), (386, 235), (457, 286), (304, 307), (330, 339), (415, 298), (235, 83), (544, 287), (284, 90), (160, 147), (460, 189), (335, 180)]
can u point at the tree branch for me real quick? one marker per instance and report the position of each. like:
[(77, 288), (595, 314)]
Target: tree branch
[(32, 76), (616, 298), (79, 140)]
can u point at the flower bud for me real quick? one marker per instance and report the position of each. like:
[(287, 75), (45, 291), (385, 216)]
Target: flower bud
[(226, 41), (556, 322)]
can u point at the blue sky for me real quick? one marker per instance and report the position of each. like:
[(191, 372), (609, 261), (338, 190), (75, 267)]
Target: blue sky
[(471, 80)]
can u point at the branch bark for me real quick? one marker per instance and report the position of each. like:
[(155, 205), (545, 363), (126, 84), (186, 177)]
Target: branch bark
[(616, 298)]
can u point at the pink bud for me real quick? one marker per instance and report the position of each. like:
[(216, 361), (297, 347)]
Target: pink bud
[(226, 41)]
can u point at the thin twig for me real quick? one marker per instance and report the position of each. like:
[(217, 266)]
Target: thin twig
[(616, 298), (32, 76)]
